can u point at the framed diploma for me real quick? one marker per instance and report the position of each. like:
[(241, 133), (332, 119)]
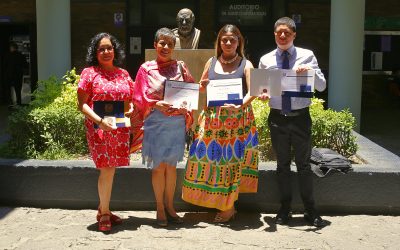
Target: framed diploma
[(275, 82), (113, 112), (182, 94), (224, 91)]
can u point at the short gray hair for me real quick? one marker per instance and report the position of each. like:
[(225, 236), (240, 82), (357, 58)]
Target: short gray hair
[(166, 33)]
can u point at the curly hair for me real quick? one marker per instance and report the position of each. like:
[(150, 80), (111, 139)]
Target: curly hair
[(14, 45), (91, 56)]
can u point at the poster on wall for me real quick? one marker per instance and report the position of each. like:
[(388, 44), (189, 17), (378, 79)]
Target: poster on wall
[(135, 45), (118, 19)]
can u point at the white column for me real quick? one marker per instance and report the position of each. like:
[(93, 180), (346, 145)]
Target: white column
[(346, 56), (53, 37)]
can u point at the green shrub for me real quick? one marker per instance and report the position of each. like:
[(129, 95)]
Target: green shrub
[(261, 112), (50, 127), (330, 129)]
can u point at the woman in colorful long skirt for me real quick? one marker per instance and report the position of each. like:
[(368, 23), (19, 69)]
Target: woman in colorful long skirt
[(223, 159)]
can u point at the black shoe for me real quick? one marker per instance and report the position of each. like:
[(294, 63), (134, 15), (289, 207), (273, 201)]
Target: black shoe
[(162, 223), (283, 216), (314, 219), (174, 219)]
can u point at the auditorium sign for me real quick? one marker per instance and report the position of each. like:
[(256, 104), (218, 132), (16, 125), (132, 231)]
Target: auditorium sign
[(244, 13)]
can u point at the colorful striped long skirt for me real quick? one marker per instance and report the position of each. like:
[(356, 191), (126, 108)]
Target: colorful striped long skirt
[(223, 159)]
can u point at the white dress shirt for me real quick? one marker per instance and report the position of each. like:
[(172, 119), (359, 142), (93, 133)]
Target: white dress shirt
[(297, 56)]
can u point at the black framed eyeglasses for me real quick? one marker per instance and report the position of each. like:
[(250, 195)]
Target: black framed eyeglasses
[(104, 49)]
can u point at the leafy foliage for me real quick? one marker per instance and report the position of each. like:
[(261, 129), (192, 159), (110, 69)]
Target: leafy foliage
[(330, 129), (333, 129), (261, 112), (50, 127)]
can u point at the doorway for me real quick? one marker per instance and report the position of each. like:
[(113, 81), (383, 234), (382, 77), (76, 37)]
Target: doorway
[(24, 35)]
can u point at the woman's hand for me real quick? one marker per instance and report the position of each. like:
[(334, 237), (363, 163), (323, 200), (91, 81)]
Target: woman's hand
[(182, 110), (163, 106), (106, 126), (232, 107), (203, 84), (89, 113), (129, 113), (263, 97)]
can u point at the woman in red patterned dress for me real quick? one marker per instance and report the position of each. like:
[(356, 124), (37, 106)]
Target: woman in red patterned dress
[(108, 145)]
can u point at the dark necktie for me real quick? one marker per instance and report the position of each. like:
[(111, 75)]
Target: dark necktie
[(286, 102), (285, 61)]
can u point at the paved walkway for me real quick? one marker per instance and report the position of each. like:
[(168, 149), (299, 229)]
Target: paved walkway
[(32, 228), (382, 126)]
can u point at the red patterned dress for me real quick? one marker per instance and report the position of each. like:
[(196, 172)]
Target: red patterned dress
[(107, 148)]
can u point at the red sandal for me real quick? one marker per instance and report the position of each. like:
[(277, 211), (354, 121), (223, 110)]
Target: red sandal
[(105, 225), (113, 218)]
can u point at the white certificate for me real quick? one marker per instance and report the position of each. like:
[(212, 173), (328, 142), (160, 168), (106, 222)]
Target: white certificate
[(297, 82), (220, 92), (182, 94), (275, 81), (265, 81)]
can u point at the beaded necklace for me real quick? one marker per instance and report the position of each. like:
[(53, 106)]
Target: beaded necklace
[(228, 61)]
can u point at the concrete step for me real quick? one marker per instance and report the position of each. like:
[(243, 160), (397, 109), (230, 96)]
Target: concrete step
[(372, 188)]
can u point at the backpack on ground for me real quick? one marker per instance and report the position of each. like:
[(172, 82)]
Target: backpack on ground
[(325, 161)]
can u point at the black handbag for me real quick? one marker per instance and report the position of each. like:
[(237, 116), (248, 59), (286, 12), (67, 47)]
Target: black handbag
[(325, 161)]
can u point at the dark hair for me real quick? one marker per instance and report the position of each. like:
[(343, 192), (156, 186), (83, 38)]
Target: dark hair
[(14, 45), (91, 56), (232, 29), (166, 33), (286, 21)]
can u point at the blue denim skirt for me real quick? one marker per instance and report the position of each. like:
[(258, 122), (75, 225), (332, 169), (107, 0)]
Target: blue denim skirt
[(163, 140)]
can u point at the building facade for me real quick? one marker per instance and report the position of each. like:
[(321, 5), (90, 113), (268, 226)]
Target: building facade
[(355, 41)]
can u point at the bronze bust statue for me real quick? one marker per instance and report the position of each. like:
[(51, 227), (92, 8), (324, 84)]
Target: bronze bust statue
[(187, 36)]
